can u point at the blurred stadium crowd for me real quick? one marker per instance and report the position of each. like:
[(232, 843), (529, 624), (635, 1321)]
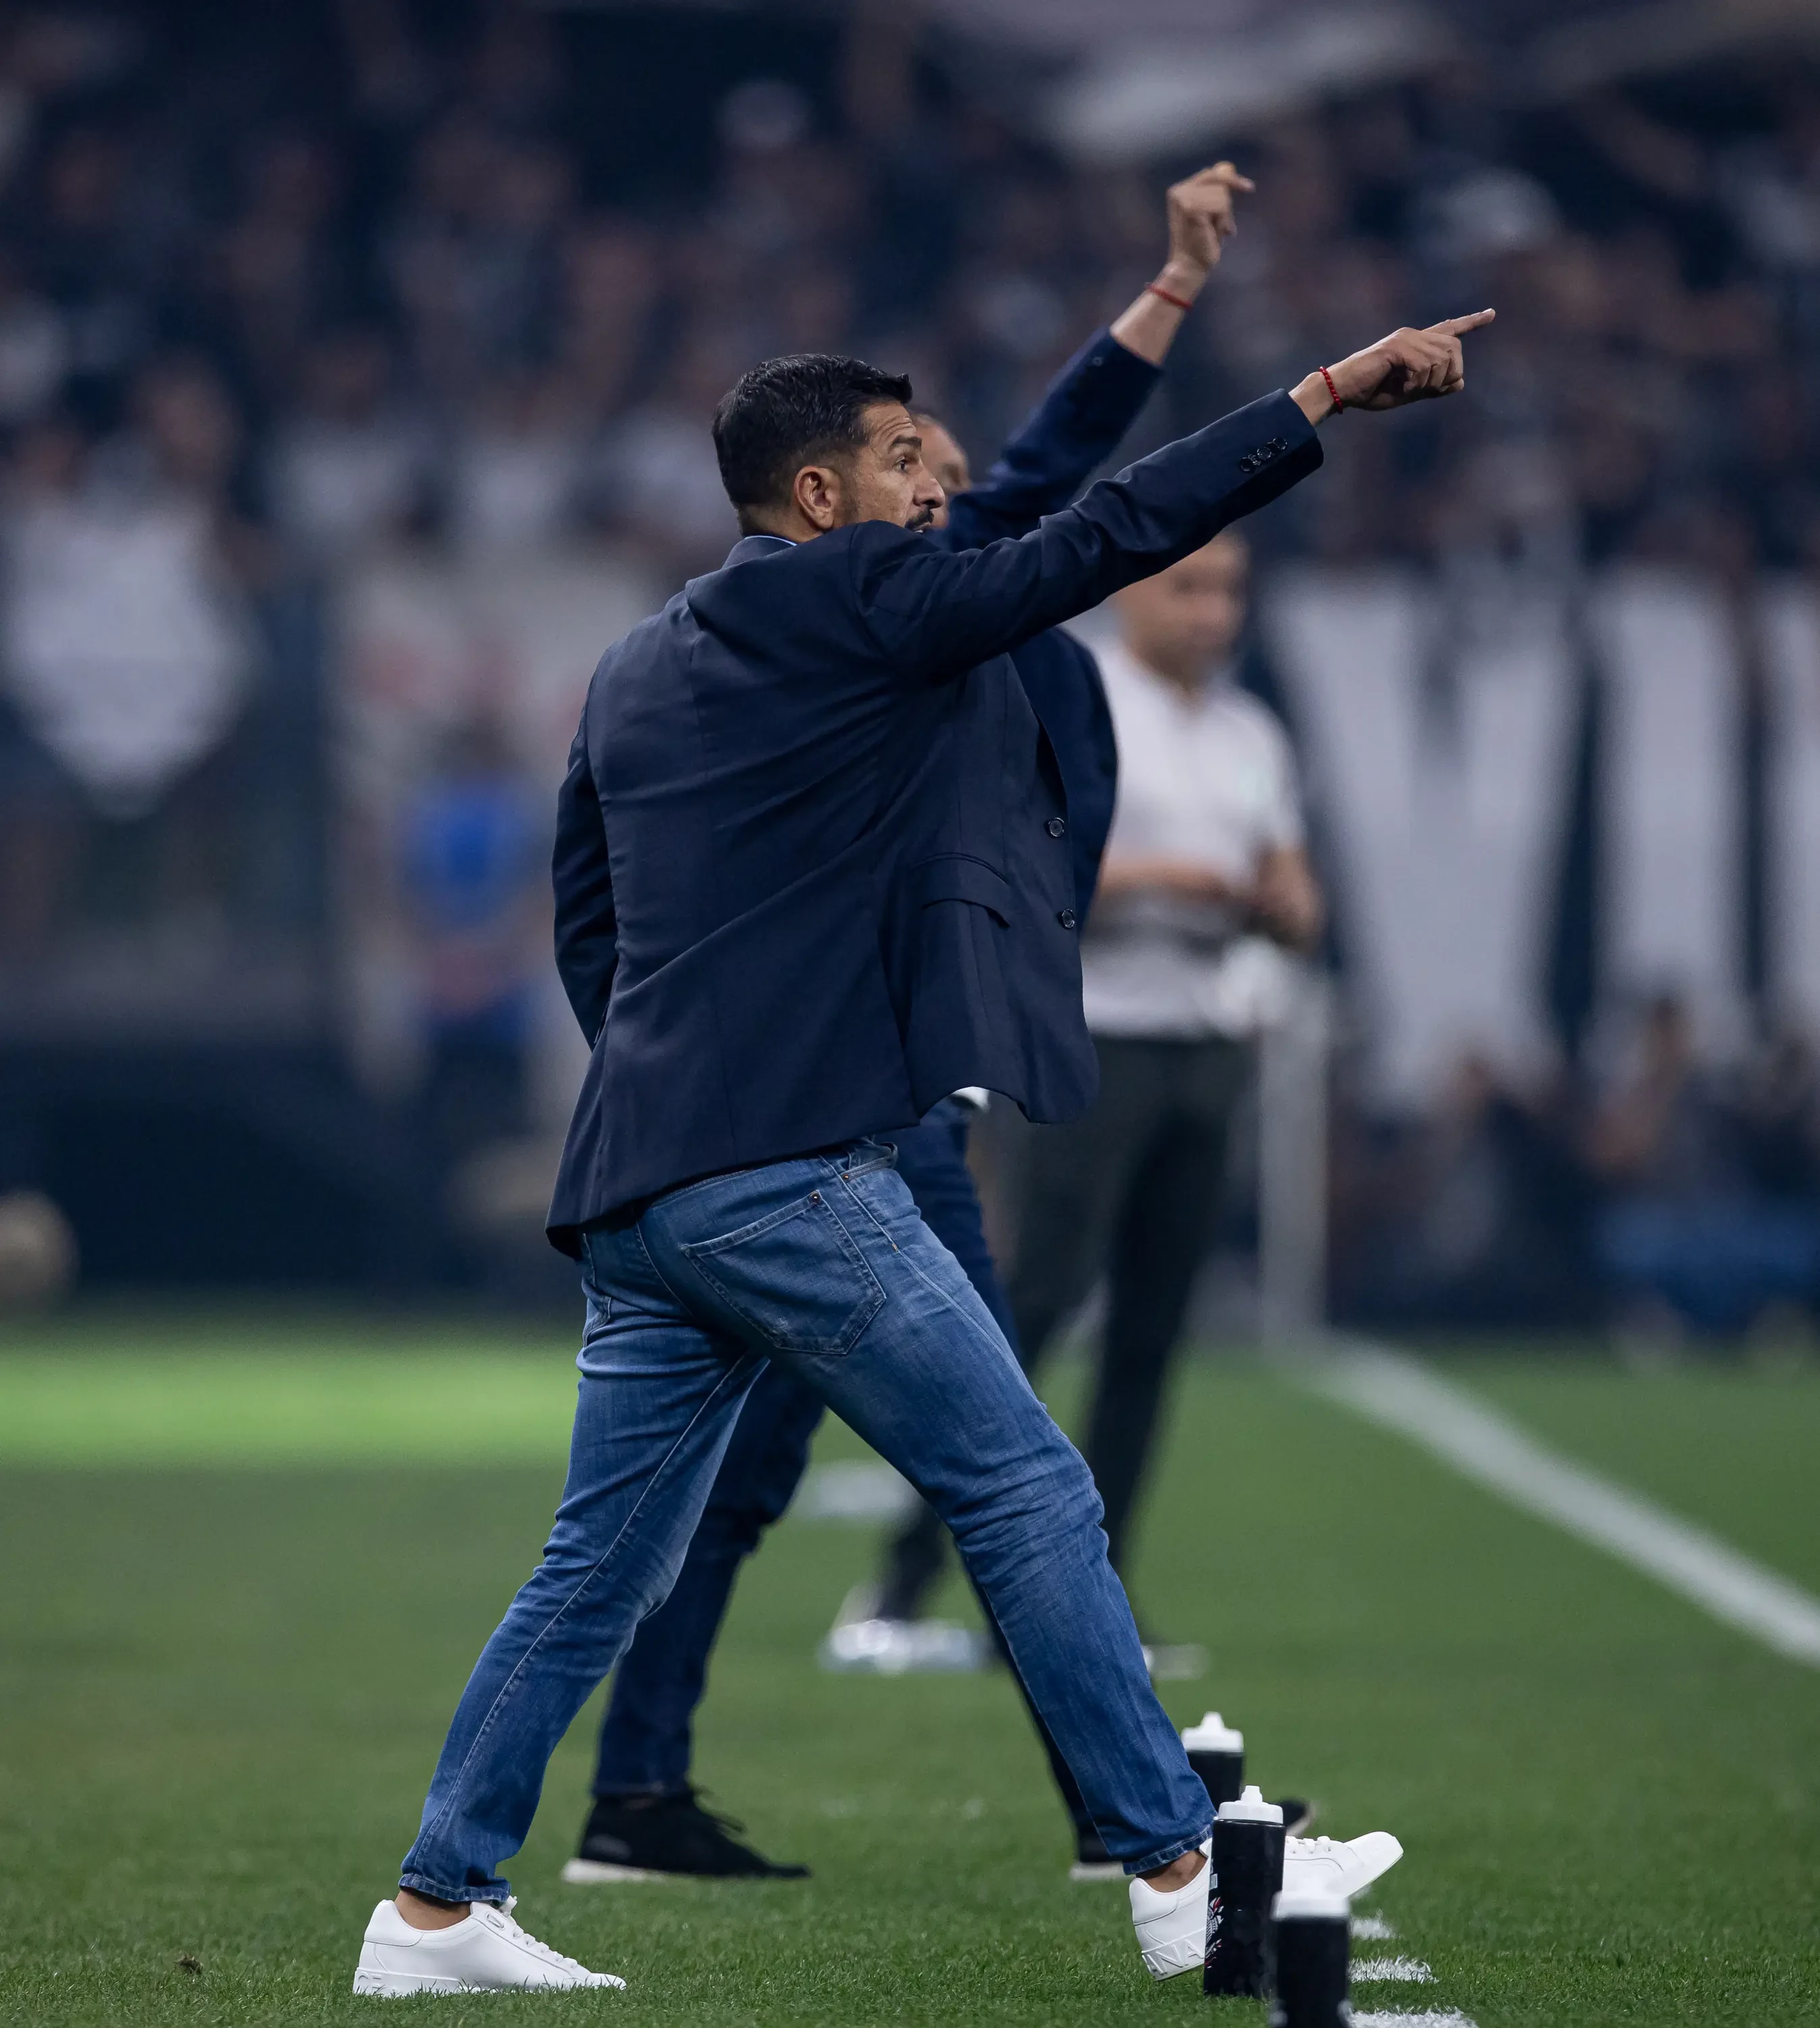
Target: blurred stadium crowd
[(441, 280)]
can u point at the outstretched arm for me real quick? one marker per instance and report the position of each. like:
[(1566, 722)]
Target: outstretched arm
[(934, 615), (587, 929), (1097, 396)]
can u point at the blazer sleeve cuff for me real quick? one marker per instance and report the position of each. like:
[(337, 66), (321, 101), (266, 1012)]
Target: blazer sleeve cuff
[(1116, 376)]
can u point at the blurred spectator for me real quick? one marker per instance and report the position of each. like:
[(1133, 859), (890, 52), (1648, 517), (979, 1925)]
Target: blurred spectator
[(1780, 1119), (515, 471), (658, 481), (1687, 1234), (350, 468), (1475, 1217), (126, 647), (34, 349), (474, 854), (281, 266)]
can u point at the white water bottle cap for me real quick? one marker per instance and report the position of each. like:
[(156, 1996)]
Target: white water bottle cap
[(1251, 1808), (1311, 1904), (1213, 1735)]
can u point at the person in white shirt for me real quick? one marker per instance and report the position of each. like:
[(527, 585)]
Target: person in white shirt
[(1205, 882)]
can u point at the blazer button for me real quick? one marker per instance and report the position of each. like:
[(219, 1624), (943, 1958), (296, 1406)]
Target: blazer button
[(1055, 826), (1066, 918)]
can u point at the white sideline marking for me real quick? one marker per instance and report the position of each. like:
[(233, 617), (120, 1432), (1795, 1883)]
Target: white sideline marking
[(1411, 1969), (1430, 2019), (1372, 1930), (1402, 1395)]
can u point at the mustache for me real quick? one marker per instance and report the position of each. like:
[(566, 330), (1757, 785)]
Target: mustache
[(924, 517)]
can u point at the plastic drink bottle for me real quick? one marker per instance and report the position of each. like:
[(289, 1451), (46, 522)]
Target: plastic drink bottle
[(1248, 1874), (1312, 1934), (1216, 1753)]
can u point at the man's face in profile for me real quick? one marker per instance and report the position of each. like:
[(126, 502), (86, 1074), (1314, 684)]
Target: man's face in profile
[(888, 478)]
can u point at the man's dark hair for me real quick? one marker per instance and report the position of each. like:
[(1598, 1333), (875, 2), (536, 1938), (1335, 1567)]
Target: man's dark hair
[(788, 412)]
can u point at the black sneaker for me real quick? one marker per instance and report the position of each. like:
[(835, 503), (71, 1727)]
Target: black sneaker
[(654, 1838), (1092, 1860)]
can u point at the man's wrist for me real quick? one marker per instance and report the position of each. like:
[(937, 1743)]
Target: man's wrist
[(1178, 277), (1313, 397)]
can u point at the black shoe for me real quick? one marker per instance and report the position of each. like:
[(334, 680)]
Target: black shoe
[(643, 1838), (1297, 1814)]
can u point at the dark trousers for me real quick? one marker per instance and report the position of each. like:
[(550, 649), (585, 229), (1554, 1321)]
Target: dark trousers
[(1130, 1190), (646, 1742)]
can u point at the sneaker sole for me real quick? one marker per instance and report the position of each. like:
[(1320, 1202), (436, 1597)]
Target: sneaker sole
[(399, 1985), (603, 1873), (1095, 1869), (1172, 1961)]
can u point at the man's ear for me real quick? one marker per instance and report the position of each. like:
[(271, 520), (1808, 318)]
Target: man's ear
[(820, 496)]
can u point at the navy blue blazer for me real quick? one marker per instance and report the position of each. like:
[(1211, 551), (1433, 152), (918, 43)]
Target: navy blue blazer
[(1079, 423), (812, 859)]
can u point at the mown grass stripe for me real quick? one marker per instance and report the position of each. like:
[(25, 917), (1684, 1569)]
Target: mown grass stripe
[(1399, 1394)]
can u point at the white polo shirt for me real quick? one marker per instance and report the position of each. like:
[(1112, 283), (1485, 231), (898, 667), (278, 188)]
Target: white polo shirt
[(1209, 777)]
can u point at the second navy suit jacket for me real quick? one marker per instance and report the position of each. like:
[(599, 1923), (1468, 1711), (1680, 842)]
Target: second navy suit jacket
[(812, 861), (1079, 424)]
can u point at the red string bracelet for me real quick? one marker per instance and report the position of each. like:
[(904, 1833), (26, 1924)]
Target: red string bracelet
[(1339, 405), (1181, 302)]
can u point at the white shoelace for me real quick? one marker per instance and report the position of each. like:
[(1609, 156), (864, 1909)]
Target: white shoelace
[(1301, 1848), (523, 1937)]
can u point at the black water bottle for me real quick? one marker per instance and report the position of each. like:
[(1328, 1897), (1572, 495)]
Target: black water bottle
[(1312, 1934), (1247, 1875), (1216, 1753)]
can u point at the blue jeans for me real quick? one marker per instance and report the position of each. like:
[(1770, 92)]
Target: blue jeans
[(822, 1264), (646, 1738)]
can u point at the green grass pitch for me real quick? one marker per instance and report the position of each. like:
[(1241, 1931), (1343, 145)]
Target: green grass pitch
[(246, 1569)]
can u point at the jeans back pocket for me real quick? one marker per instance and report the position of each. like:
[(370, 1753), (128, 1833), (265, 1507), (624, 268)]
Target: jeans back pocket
[(795, 1277)]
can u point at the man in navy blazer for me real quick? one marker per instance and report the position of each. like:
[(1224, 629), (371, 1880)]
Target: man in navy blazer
[(646, 1818), (811, 875)]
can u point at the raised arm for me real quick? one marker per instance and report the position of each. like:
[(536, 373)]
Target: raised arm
[(1089, 406), (934, 614), (1077, 426), (587, 942)]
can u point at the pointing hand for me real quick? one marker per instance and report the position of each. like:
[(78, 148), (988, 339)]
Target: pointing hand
[(1407, 366)]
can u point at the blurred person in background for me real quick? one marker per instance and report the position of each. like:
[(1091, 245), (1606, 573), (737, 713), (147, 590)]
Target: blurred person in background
[(656, 479), (1204, 869), (130, 649), (1477, 1216), (1689, 1238), (472, 851), (348, 468)]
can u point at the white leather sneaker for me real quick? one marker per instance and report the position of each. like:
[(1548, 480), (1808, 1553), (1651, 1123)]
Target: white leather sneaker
[(487, 1952), (1333, 1866), (1172, 1928)]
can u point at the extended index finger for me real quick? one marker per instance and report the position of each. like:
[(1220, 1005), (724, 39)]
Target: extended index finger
[(1452, 326)]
